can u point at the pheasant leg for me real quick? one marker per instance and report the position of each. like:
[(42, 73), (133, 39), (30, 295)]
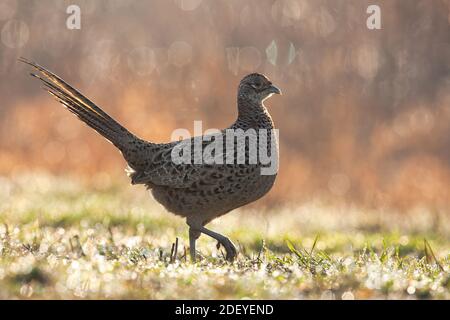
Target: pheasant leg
[(227, 244), (193, 236)]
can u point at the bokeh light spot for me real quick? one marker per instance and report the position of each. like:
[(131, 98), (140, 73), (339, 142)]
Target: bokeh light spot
[(366, 60), (142, 61), (272, 53), (249, 58), (233, 59), (348, 296), (339, 184), (287, 12), (188, 5), (15, 34), (292, 53), (180, 53), (326, 24)]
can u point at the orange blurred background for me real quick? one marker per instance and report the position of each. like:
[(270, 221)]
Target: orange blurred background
[(364, 117)]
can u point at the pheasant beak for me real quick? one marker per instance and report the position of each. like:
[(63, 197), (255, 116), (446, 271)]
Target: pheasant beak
[(274, 89)]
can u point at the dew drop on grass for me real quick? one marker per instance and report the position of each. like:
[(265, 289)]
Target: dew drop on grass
[(26, 290), (348, 296), (411, 290), (327, 295)]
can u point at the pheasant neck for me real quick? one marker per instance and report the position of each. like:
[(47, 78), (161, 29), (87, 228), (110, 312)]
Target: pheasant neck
[(252, 114)]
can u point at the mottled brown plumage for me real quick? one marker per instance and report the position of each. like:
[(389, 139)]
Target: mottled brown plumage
[(199, 192)]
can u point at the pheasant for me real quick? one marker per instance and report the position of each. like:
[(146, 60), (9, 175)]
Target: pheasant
[(199, 192)]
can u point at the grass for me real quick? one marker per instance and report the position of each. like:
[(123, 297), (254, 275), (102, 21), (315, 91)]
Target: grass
[(61, 240)]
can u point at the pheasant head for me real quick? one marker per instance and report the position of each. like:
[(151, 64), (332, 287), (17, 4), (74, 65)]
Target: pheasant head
[(255, 88)]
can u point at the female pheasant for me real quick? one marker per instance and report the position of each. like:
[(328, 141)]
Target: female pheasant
[(200, 192)]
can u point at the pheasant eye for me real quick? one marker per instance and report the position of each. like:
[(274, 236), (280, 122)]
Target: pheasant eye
[(257, 85)]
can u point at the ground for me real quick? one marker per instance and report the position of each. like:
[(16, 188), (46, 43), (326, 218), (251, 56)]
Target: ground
[(61, 239)]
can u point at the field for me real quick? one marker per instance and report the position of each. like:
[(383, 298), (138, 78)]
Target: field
[(62, 239)]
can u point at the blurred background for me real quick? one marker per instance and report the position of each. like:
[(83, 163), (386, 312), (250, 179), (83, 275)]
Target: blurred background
[(364, 117)]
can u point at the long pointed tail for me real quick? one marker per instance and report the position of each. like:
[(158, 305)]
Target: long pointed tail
[(82, 107)]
